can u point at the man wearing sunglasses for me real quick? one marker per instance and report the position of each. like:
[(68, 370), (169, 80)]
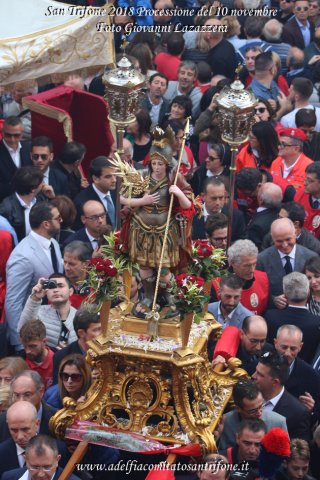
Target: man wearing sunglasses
[(13, 153), (298, 31), (54, 181)]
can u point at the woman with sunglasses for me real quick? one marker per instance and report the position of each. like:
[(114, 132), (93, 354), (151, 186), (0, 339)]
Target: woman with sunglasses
[(74, 381), (216, 165), (261, 150), (265, 113)]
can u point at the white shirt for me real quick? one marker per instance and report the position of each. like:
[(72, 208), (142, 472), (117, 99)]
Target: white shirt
[(46, 176), (269, 405), (289, 120), (27, 209), (292, 256), (93, 241), (20, 455), (15, 154), (44, 244), (286, 169), (155, 112)]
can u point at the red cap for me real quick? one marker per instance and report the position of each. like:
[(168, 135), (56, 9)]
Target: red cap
[(293, 133)]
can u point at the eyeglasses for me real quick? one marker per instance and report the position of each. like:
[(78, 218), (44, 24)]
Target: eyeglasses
[(38, 468), (58, 219), (75, 377), (285, 145), (252, 411), (13, 135), (260, 109), (212, 159), (95, 218), (36, 156), (302, 9)]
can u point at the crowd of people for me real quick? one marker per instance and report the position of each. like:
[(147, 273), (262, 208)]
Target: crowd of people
[(53, 220)]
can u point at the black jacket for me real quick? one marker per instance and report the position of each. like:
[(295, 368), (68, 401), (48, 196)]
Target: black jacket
[(260, 225), (147, 105), (8, 167), (297, 416), (13, 211), (302, 318), (78, 235), (59, 182), (18, 472)]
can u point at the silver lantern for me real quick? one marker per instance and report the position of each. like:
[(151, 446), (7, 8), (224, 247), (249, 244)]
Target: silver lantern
[(236, 108)]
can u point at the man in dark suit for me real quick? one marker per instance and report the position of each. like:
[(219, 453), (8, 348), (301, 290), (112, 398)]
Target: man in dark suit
[(42, 458), (298, 31), (271, 374), (94, 219), (28, 386), (214, 193), (303, 382), (68, 162), (23, 425), (269, 201), (101, 190), (54, 181), (13, 153), (87, 325), (296, 293), (27, 182), (284, 257)]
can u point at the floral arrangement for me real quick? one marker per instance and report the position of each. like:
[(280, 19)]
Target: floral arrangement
[(189, 295), (114, 252), (207, 261), (102, 279)]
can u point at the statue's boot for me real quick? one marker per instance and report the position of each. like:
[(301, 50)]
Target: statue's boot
[(141, 308)]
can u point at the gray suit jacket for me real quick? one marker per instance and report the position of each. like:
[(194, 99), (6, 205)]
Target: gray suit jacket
[(232, 421), (27, 263), (237, 318), (269, 261)]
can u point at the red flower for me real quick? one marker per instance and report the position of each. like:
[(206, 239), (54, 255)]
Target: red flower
[(111, 271), (100, 267), (180, 279)]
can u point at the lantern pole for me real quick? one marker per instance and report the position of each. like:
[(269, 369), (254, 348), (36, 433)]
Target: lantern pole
[(236, 107), (123, 89)]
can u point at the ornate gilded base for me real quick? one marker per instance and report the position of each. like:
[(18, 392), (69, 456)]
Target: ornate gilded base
[(156, 388)]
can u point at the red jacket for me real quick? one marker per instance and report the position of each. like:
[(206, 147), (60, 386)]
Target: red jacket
[(297, 175), (312, 220), (254, 298)]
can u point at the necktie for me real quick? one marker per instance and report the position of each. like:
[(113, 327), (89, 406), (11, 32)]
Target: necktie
[(54, 259), (316, 364), (315, 204), (111, 210), (287, 266)]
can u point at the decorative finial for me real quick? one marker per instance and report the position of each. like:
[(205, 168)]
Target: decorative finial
[(238, 70), (124, 45)]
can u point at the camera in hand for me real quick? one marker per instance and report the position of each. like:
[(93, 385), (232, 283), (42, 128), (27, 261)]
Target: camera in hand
[(50, 284)]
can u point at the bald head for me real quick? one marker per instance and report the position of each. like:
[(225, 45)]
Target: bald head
[(92, 207), (22, 422), (270, 195), (253, 334), (283, 235), (21, 410), (272, 30)]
